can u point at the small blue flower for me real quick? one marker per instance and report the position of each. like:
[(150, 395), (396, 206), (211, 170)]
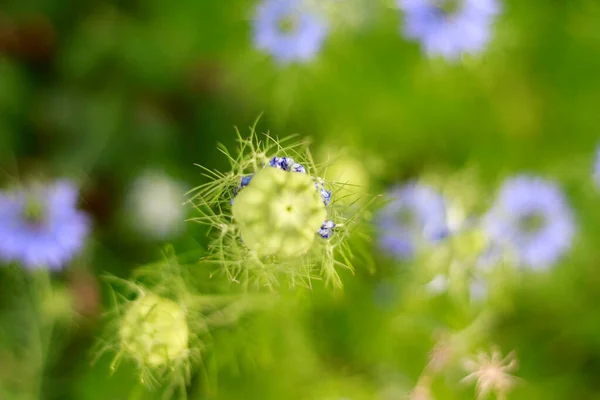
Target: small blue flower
[(531, 219), (325, 194), (276, 162), (326, 230), (298, 168), (287, 164), (416, 215), (449, 28), (41, 227), (246, 180), (289, 30)]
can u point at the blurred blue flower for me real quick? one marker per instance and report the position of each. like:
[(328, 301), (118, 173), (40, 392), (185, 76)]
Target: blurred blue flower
[(449, 28), (289, 30), (415, 215), (41, 226), (531, 219)]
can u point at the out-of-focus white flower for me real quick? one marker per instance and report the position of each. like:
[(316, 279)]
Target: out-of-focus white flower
[(478, 290), (491, 373), (156, 206), (437, 285)]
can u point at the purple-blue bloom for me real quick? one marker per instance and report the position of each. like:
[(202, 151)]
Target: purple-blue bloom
[(415, 216), (532, 220), (326, 230), (289, 30), (245, 181), (325, 194), (40, 227), (287, 164), (449, 28)]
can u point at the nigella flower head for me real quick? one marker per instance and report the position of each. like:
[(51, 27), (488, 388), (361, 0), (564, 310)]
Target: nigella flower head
[(415, 216), (289, 30), (531, 220), (160, 322), (40, 226), (449, 28), (273, 215)]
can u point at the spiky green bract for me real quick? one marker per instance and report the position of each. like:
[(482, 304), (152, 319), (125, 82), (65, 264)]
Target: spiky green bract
[(162, 324), (259, 252)]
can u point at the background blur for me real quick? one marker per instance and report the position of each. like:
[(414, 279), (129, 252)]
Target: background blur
[(109, 92)]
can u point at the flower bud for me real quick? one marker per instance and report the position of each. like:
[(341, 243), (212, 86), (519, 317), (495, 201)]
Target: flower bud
[(154, 330)]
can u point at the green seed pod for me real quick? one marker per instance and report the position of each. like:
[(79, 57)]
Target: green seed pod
[(273, 215), (154, 330), (279, 213)]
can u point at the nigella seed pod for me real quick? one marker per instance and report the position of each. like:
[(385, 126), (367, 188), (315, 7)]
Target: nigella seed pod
[(154, 330), (159, 321), (277, 219), (279, 213)]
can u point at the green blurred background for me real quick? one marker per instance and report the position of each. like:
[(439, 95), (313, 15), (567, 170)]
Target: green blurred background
[(101, 91)]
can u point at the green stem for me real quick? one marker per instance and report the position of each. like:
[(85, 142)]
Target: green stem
[(137, 392)]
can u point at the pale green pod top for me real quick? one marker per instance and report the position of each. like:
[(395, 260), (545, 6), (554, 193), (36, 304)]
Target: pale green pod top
[(279, 213)]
